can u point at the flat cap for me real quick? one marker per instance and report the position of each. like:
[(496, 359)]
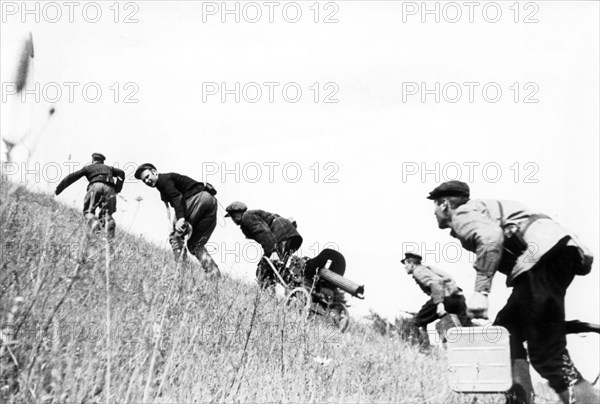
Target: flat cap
[(98, 157), (141, 168), (450, 188), (235, 207), (411, 255)]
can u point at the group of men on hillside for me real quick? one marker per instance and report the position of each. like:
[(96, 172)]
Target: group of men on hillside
[(538, 256), (195, 208)]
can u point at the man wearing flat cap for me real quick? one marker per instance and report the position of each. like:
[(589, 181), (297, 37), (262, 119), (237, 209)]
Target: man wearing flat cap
[(539, 258), (195, 209), (277, 236), (105, 182), (446, 296)]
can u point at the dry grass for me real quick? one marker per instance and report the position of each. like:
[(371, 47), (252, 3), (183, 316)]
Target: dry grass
[(175, 336)]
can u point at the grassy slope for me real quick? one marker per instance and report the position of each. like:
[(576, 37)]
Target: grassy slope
[(175, 336)]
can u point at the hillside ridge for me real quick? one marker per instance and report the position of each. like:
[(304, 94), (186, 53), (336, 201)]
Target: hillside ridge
[(173, 335)]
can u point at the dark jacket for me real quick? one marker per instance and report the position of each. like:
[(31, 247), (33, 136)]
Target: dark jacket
[(95, 172), (268, 229), (176, 189)]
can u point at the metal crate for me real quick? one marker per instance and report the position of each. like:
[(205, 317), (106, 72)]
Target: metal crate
[(479, 359)]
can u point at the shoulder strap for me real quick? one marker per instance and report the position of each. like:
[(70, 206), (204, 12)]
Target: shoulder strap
[(501, 209), (532, 219), (527, 223)]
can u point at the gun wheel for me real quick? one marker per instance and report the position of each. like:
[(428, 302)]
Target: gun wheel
[(299, 300), (338, 313)]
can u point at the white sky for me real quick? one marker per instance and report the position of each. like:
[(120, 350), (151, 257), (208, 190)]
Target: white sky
[(369, 138)]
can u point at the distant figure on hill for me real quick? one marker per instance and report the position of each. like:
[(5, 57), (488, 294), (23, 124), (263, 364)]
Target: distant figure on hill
[(446, 296), (277, 236), (105, 182), (195, 208)]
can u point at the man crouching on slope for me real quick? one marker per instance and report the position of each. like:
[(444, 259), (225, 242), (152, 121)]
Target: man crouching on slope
[(445, 295), (195, 212), (277, 236)]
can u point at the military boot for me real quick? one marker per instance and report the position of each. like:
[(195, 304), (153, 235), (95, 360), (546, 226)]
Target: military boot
[(207, 263)]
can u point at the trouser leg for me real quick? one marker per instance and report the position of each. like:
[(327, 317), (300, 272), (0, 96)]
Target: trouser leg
[(110, 208), (545, 320), (110, 225), (207, 263), (91, 221), (90, 203), (264, 275), (536, 313), (202, 211), (444, 325), (427, 314), (456, 304), (521, 391), (424, 338)]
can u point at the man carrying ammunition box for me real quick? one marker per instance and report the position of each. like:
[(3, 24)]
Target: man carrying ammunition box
[(540, 259), (105, 182), (195, 208), (277, 236), (446, 296)]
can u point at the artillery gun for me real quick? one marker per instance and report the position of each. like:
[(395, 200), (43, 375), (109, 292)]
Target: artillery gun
[(317, 285)]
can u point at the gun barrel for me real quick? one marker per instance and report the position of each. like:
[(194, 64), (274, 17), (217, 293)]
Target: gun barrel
[(345, 284)]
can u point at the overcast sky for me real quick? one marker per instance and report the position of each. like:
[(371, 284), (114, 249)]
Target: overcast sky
[(351, 157)]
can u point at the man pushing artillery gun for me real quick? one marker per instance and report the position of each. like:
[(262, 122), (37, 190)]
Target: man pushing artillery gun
[(105, 182), (540, 259), (277, 236), (446, 296)]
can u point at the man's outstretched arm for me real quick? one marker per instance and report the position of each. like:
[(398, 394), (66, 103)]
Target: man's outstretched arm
[(68, 180)]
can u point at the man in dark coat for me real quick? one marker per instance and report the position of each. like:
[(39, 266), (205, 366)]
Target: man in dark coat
[(105, 182), (195, 208), (540, 259), (277, 236)]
